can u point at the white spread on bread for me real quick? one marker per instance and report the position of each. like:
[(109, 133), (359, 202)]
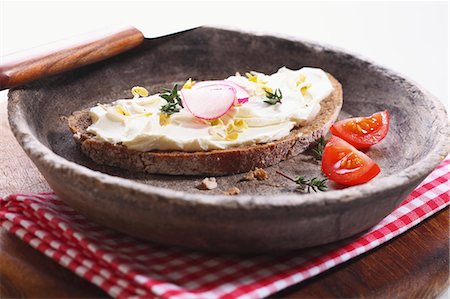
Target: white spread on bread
[(136, 123)]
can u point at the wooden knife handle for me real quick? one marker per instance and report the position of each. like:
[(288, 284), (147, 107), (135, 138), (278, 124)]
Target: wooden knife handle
[(25, 66)]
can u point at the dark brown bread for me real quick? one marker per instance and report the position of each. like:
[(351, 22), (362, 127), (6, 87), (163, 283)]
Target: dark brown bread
[(215, 162)]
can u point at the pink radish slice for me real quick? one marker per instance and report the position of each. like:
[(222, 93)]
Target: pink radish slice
[(242, 101), (241, 94), (210, 102)]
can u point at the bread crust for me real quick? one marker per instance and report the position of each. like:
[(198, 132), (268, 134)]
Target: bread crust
[(212, 163)]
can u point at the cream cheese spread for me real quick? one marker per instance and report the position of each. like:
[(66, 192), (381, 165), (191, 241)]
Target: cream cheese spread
[(138, 124)]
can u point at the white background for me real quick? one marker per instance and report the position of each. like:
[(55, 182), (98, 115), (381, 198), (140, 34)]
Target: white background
[(409, 37)]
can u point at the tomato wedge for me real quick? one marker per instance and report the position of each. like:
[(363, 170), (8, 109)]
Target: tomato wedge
[(344, 164), (362, 132)]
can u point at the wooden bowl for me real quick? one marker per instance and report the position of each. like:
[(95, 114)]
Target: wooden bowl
[(266, 216)]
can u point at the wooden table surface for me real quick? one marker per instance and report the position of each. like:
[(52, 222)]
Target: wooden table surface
[(413, 265)]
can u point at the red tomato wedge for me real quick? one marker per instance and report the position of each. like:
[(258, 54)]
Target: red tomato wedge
[(362, 132), (344, 164)]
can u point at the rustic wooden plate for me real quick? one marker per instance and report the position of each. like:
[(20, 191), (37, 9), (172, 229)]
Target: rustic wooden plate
[(266, 216)]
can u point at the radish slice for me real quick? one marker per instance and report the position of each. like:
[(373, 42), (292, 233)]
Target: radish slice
[(210, 102), (242, 101), (241, 94)]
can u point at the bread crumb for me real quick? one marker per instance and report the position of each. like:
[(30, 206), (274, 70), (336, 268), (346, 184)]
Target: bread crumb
[(207, 184), (260, 174), (77, 136), (233, 191), (249, 176), (257, 174)]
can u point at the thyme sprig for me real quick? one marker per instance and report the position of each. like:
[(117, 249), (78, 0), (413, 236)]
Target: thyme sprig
[(173, 99), (315, 184), (318, 149), (273, 98), (170, 108)]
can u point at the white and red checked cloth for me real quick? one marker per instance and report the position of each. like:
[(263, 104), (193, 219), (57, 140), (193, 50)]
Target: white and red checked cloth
[(128, 268)]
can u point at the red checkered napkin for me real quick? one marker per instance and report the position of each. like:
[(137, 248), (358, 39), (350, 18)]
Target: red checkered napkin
[(126, 268)]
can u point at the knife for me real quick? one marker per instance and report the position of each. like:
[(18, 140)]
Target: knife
[(25, 66)]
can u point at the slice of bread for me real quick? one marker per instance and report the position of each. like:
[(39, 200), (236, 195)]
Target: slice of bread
[(212, 163)]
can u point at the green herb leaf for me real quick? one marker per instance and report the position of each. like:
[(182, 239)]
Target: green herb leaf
[(318, 149), (173, 99), (170, 108), (315, 184), (273, 98)]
